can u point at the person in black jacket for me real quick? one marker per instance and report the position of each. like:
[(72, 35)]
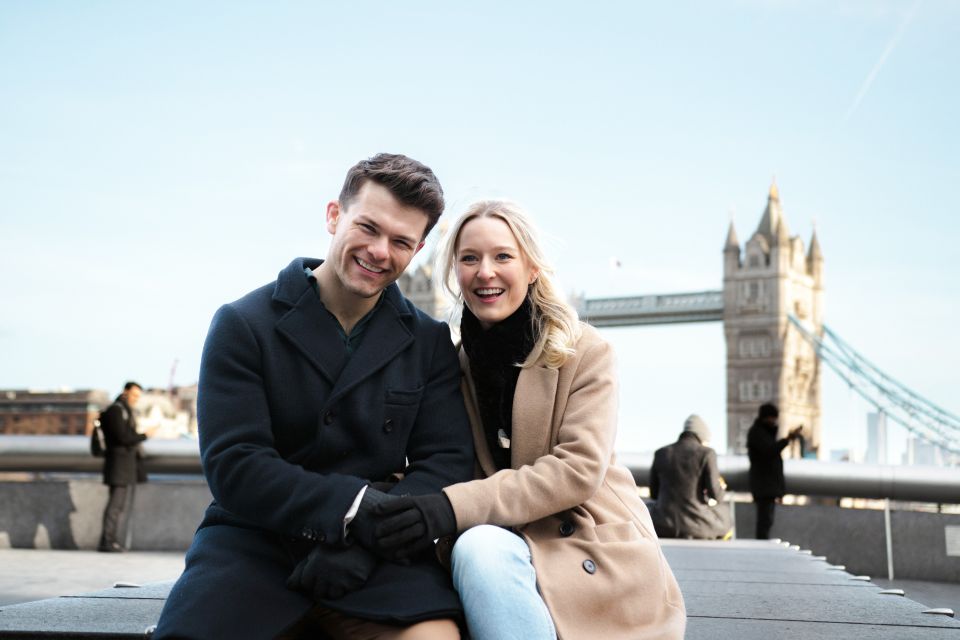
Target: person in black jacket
[(315, 390), (687, 487), (766, 465), (122, 465)]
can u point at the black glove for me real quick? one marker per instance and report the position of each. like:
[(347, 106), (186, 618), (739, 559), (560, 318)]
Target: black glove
[(361, 528), (408, 526), (332, 572)]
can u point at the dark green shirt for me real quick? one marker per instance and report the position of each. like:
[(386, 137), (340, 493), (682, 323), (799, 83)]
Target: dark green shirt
[(352, 341)]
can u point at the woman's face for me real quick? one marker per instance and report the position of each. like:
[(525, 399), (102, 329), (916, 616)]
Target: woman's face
[(492, 272)]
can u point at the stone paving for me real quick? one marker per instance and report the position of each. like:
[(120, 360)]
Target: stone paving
[(742, 590)]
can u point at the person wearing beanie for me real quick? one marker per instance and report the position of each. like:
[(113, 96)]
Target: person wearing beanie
[(766, 465), (687, 487)]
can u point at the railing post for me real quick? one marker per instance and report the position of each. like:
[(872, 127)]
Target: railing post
[(887, 529)]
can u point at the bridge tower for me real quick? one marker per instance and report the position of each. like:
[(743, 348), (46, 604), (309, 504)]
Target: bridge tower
[(767, 359)]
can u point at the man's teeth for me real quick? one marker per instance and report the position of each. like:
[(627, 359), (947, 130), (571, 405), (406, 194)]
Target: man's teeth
[(368, 266), (489, 292)]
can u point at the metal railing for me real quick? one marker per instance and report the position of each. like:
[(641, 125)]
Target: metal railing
[(41, 454)]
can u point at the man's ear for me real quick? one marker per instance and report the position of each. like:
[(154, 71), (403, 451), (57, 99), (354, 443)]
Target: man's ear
[(419, 246), (333, 216)]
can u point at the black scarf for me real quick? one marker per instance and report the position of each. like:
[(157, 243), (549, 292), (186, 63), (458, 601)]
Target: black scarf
[(494, 355)]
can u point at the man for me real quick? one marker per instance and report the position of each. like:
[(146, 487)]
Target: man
[(766, 465), (314, 390), (686, 484), (122, 465)]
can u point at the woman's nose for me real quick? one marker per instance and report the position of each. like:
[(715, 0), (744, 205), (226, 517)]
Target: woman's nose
[(486, 270)]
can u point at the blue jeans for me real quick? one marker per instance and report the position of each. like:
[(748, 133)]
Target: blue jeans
[(497, 584)]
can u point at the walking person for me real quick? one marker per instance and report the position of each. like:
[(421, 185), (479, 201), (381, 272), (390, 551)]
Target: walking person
[(554, 539), (122, 465), (687, 487), (767, 483)]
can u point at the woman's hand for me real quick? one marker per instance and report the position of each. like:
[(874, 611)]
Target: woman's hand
[(408, 525)]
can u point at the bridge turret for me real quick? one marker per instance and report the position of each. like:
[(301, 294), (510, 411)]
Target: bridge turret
[(731, 251), (767, 361), (815, 258)]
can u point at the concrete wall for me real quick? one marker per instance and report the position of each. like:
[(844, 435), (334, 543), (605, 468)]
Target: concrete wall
[(856, 538), (66, 513)]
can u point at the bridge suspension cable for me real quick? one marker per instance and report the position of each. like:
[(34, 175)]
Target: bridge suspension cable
[(902, 405)]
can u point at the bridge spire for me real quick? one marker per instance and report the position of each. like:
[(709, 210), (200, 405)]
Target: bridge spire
[(732, 241), (772, 226)]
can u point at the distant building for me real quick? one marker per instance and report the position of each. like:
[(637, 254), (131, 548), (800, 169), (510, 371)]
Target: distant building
[(768, 360), (172, 411), (845, 455), (920, 451), (418, 285), (26, 412), (876, 438)]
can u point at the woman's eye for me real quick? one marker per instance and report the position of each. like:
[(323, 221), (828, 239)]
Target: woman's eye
[(503, 256), (468, 258)]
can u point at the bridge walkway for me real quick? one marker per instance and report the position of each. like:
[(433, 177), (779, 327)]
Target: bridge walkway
[(742, 590)]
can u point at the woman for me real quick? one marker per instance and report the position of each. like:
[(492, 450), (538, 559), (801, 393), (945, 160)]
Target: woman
[(555, 541)]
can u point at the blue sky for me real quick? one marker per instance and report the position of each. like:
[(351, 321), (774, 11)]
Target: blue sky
[(159, 159)]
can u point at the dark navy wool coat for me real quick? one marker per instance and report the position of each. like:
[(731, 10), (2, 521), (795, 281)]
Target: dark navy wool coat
[(291, 428)]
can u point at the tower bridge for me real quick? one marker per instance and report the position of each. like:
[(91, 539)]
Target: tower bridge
[(771, 307)]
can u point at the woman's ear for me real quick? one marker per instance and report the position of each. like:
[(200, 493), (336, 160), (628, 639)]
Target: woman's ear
[(534, 274)]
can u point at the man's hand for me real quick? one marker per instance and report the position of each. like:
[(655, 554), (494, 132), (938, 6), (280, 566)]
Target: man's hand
[(331, 572), (796, 432), (408, 526), (361, 528)]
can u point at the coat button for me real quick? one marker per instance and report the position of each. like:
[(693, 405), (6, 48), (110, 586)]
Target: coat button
[(589, 566), (567, 528), (328, 417), (388, 425)]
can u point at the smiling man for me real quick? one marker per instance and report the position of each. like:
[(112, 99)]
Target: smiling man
[(322, 395)]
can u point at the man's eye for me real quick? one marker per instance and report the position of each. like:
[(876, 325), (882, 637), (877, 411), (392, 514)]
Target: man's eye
[(367, 227)]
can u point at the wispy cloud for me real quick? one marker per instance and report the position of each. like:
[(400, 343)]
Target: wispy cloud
[(891, 45)]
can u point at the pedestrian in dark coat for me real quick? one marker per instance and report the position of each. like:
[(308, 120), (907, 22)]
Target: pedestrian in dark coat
[(312, 388), (122, 465), (686, 485), (767, 483)]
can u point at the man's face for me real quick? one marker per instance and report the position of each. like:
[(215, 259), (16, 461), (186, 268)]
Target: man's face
[(133, 395), (374, 239)]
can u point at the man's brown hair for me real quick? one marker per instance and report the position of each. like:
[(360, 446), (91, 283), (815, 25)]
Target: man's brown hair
[(412, 183)]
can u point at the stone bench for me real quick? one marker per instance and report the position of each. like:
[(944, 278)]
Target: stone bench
[(738, 590)]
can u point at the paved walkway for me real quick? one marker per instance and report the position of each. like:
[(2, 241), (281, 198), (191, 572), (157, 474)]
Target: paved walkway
[(741, 590), (35, 574)]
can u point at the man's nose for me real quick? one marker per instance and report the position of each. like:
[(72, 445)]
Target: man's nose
[(379, 248)]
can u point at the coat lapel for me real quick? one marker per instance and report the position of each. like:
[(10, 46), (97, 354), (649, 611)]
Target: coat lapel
[(533, 403), (313, 331), (386, 335)]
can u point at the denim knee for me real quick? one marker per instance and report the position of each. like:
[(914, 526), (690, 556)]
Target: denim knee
[(485, 548)]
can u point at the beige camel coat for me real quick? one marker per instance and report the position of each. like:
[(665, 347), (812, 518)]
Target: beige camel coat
[(599, 564)]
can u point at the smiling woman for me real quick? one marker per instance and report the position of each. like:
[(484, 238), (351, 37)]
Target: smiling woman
[(553, 538)]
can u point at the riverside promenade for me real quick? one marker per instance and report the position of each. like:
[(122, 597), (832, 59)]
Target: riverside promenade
[(740, 589)]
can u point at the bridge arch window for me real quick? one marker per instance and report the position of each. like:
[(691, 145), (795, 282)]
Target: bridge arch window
[(754, 347)]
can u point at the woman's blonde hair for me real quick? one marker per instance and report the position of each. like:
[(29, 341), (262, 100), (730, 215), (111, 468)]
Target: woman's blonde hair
[(556, 327)]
